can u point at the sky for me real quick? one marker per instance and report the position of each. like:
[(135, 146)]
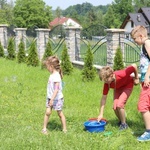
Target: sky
[(63, 4)]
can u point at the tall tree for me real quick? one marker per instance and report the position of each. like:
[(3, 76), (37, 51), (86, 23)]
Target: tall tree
[(3, 3), (109, 18), (58, 12), (140, 3), (31, 13), (121, 8), (6, 12)]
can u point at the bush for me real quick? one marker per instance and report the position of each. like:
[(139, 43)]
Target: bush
[(11, 51), (66, 64), (1, 50), (32, 59), (88, 72), (118, 60), (21, 57)]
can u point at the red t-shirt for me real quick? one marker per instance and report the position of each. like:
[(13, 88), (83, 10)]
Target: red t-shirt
[(123, 80)]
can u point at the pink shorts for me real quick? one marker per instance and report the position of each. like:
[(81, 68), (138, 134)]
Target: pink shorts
[(144, 100), (120, 97)]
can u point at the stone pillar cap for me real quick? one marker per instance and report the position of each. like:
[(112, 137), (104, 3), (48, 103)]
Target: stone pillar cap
[(3, 25), (72, 27), (42, 29), (115, 30), (20, 28)]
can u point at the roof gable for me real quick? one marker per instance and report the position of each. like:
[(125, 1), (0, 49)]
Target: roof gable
[(58, 21), (146, 12), (64, 21), (140, 18)]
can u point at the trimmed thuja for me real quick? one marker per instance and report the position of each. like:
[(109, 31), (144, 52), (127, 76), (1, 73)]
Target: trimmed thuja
[(10, 49), (66, 64), (88, 72), (21, 57), (1, 50), (32, 59), (118, 60)]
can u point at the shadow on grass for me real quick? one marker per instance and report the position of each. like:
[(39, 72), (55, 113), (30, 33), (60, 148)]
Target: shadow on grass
[(54, 125), (136, 127)]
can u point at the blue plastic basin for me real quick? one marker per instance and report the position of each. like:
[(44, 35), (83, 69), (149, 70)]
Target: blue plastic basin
[(95, 126)]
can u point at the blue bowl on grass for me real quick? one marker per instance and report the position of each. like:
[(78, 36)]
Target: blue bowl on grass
[(95, 126)]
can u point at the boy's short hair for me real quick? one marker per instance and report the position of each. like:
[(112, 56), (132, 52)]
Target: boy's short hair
[(105, 73), (138, 30)]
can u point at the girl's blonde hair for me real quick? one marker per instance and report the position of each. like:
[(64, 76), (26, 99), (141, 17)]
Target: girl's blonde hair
[(139, 30), (53, 61), (105, 73)]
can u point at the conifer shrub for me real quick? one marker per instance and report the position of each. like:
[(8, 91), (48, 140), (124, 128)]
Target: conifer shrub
[(48, 52), (11, 50), (66, 64), (88, 72), (118, 60), (32, 59), (1, 50), (21, 57)]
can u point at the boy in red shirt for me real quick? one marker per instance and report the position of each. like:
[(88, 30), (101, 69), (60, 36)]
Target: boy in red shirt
[(122, 83)]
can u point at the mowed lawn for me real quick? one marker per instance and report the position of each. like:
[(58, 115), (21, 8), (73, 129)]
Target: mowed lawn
[(22, 108)]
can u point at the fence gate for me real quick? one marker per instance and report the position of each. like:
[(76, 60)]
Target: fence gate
[(131, 51), (57, 38), (95, 35)]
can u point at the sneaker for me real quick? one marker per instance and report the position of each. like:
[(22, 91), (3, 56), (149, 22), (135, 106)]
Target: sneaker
[(119, 123), (144, 137), (123, 126)]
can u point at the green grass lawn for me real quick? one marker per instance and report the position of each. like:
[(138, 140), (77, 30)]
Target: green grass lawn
[(22, 108)]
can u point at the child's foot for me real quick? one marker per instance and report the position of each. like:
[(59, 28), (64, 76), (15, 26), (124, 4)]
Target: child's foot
[(65, 131), (123, 126), (44, 131), (144, 137), (119, 123)]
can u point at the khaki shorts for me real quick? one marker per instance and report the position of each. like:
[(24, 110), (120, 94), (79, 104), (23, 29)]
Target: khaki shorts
[(120, 97)]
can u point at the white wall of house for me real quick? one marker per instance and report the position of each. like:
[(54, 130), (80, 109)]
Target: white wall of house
[(128, 27), (71, 22)]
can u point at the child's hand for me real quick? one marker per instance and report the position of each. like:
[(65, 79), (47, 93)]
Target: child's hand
[(51, 103), (146, 81), (99, 118), (136, 81)]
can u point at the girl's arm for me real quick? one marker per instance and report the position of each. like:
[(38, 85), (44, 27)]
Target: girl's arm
[(102, 105), (56, 88)]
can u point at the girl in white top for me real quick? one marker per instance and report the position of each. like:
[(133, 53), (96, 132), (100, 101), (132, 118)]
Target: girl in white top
[(54, 98)]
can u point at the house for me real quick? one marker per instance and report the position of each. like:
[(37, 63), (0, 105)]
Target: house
[(142, 17), (65, 22)]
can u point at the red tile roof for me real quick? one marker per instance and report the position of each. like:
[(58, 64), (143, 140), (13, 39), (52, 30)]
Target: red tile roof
[(58, 21)]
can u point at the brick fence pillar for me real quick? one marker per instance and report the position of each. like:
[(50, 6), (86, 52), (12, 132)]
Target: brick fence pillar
[(20, 35), (73, 42), (3, 35), (42, 39), (114, 38)]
